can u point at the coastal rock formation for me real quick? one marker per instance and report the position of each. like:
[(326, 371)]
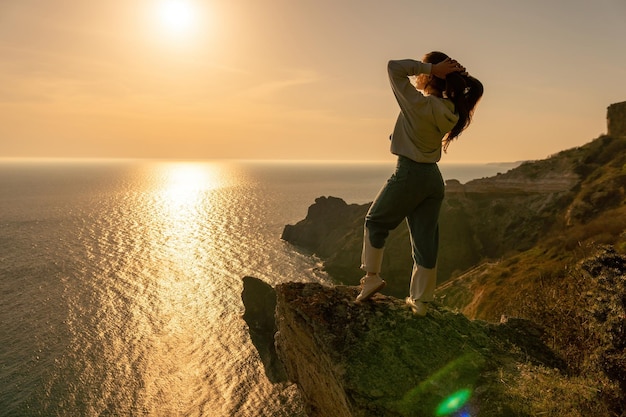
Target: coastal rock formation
[(484, 219), (259, 300), (378, 359), (326, 222), (333, 230)]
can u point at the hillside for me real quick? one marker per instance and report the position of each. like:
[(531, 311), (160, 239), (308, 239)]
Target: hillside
[(541, 244), (563, 203)]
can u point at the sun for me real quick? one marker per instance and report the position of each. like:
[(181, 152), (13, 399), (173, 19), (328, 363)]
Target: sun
[(177, 17), (180, 25)]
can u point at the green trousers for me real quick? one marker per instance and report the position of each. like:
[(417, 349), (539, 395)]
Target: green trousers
[(414, 192)]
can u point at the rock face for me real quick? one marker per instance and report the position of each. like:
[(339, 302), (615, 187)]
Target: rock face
[(378, 359), (326, 222), (259, 300)]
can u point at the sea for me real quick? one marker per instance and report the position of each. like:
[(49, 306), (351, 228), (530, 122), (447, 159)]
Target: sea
[(121, 281)]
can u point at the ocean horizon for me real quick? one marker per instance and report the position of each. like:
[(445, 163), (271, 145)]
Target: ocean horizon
[(121, 280)]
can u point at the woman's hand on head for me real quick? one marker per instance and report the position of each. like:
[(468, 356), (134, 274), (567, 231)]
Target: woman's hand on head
[(445, 67)]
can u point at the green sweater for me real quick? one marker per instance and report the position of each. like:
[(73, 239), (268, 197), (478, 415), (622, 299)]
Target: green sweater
[(424, 120)]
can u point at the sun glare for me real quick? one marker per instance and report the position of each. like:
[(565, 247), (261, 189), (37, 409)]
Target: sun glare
[(185, 183), (180, 26), (178, 17)]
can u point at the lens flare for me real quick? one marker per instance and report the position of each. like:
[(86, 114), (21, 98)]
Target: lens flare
[(453, 403)]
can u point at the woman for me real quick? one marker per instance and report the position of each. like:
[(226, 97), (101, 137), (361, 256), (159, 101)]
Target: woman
[(432, 115)]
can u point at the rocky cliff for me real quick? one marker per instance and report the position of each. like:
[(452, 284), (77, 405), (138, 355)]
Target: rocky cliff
[(327, 222), (545, 241), (486, 219), (378, 359)]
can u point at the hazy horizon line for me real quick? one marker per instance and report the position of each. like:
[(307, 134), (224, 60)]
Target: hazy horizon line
[(34, 159)]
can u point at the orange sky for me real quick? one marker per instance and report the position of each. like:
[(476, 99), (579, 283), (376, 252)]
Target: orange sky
[(305, 79)]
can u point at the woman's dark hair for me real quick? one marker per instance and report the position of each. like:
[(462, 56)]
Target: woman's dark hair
[(462, 89)]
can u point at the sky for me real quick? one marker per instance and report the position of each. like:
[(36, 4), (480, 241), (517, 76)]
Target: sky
[(297, 79)]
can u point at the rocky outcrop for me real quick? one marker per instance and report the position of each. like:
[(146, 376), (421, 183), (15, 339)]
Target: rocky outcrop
[(327, 221), (259, 300), (378, 359), (616, 119)]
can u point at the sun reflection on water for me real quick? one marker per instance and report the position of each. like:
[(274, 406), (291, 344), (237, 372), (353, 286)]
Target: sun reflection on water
[(185, 297), (185, 183), (134, 285), (185, 203)]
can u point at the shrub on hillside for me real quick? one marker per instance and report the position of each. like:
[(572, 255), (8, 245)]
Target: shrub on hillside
[(583, 310), (608, 312)]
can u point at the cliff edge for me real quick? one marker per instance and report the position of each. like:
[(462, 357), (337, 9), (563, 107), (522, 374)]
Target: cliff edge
[(259, 300), (377, 358)]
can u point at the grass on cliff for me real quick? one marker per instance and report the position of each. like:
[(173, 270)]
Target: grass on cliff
[(579, 298), (540, 391), (595, 214)]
